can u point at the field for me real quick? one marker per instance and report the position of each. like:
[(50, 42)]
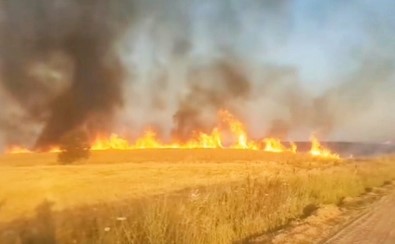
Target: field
[(172, 196)]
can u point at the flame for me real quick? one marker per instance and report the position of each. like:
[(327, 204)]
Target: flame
[(54, 150), (23, 150), (229, 125), (114, 142), (149, 140), (204, 140), (18, 150), (238, 130), (275, 145), (318, 150)]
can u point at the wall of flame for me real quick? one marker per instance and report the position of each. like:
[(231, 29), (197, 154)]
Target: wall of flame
[(228, 124)]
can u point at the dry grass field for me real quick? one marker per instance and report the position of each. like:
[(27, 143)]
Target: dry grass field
[(171, 196)]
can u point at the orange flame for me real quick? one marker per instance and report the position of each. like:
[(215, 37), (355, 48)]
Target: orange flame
[(114, 142), (318, 150), (148, 140), (54, 150), (204, 140), (23, 150), (18, 150), (238, 130), (229, 125), (275, 145)]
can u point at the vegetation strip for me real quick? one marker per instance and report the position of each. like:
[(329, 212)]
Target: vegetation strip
[(227, 213)]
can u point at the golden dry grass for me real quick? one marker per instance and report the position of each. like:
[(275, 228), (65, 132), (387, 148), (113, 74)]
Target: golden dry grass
[(28, 179), (228, 195), (157, 155)]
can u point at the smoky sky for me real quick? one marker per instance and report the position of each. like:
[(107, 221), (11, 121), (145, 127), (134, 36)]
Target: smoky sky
[(312, 66), (287, 68), (58, 62)]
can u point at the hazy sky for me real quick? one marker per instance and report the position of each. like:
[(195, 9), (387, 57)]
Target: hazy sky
[(324, 40), (298, 66), (328, 44)]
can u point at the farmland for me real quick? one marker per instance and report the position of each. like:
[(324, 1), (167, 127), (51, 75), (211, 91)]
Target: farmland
[(180, 196)]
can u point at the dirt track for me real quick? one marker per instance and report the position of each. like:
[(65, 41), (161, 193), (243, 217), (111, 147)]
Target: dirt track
[(377, 225)]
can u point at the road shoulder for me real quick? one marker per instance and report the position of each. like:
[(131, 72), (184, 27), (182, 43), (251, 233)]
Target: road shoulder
[(329, 223)]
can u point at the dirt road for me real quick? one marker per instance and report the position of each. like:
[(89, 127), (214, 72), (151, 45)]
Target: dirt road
[(377, 225)]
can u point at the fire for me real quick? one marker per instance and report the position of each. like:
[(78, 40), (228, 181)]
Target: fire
[(238, 130), (54, 150), (204, 140), (114, 142), (228, 125), (18, 150), (320, 151), (22, 150), (275, 145), (149, 140)]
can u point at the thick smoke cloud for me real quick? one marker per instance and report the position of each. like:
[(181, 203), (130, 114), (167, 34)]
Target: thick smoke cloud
[(210, 89), (58, 61), (311, 66), (287, 68)]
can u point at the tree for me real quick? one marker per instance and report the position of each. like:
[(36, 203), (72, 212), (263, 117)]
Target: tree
[(74, 146)]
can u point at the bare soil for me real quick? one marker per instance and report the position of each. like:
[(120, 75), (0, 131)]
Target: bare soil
[(376, 225), (368, 219)]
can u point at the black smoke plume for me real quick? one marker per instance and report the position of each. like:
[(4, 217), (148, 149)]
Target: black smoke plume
[(58, 61), (210, 89)]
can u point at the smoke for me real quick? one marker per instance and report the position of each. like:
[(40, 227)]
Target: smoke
[(59, 61), (210, 89), (287, 68)]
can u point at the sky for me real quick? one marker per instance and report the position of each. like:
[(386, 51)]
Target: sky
[(327, 44), (285, 67)]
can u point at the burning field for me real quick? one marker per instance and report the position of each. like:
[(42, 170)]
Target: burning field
[(228, 127), (135, 121)]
